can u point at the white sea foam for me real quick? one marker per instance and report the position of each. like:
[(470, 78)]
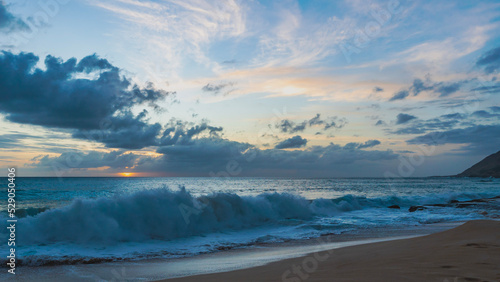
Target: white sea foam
[(168, 223)]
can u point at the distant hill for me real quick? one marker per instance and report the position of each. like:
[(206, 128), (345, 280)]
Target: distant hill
[(489, 167)]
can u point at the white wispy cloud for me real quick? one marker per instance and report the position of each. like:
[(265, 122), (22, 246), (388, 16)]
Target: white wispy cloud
[(168, 31), (439, 54)]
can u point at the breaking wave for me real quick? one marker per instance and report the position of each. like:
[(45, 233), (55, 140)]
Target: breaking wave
[(163, 214)]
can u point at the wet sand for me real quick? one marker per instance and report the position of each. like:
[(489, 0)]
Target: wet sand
[(470, 252)]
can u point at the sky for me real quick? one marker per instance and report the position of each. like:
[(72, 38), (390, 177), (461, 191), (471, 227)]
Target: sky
[(248, 88)]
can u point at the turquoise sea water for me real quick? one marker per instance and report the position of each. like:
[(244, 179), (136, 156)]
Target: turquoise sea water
[(74, 220)]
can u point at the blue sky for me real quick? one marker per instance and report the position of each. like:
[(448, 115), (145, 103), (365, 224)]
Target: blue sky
[(248, 88)]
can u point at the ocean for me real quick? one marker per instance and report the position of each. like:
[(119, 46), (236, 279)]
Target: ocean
[(99, 220)]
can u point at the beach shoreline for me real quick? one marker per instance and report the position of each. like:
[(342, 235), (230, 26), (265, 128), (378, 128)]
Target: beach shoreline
[(222, 261), (469, 252)]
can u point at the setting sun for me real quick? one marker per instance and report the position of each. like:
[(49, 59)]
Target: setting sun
[(126, 174)]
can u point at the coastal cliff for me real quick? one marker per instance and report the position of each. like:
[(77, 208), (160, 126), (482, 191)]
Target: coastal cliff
[(488, 167)]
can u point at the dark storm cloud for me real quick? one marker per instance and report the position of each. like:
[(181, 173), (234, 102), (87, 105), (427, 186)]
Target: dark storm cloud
[(217, 88), (418, 86), (214, 156), (287, 126), (129, 132), (490, 61), (404, 118), (125, 131), (294, 142), (478, 138), (496, 109), (98, 104), (210, 156), (9, 22), (198, 157), (93, 159)]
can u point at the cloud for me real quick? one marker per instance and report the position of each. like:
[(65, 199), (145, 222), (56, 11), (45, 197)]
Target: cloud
[(369, 144), (130, 132), (15, 140), (490, 61), (420, 127), (294, 142), (92, 159), (447, 89), (440, 50), (182, 133), (418, 86), (453, 116), (484, 114), (9, 22), (483, 139), (488, 87), (287, 126), (380, 122), (216, 156), (191, 27), (229, 62), (88, 98), (378, 89), (400, 95), (217, 88), (198, 157), (124, 131), (444, 122), (404, 118), (495, 109), (359, 146)]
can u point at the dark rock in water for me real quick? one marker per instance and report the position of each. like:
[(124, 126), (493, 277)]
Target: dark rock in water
[(477, 201), (488, 167), (440, 205), (465, 205), (394, 207), (416, 208)]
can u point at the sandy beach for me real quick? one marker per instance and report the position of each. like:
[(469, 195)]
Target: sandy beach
[(470, 252)]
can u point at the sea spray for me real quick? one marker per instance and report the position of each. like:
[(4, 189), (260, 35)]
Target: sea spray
[(157, 214), (164, 214)]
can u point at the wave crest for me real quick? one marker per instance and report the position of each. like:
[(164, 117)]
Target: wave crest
[(163, 214)]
